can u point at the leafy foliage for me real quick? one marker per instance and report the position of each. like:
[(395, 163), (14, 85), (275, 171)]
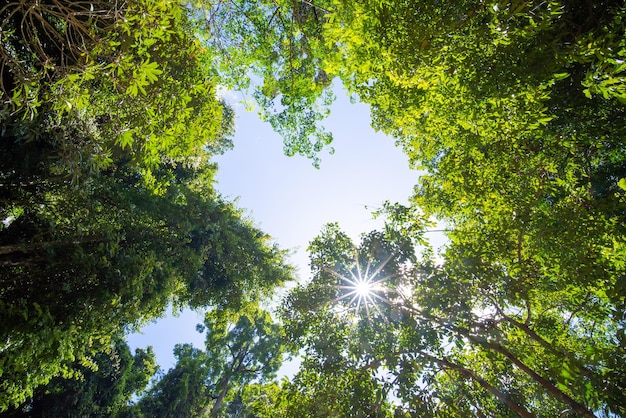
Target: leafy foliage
[(447, 339), (239, 350), (515, 110), (109, 117), (142, 92), (275, 49), (101, 389), (524, 157), (110, 257)]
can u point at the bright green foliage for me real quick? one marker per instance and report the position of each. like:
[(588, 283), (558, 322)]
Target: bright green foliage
[(494, 101), (552, 350), (84, 264), (257, 400), (434, 72), (238, 351), (101, 389), (241, 351), (276, 50), (463, 76), (140, 89), (446, 339), (514, 109), (343, 391), (159, 83), (109, 117)]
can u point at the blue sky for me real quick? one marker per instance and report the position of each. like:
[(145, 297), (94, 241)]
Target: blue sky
[(291, 200)]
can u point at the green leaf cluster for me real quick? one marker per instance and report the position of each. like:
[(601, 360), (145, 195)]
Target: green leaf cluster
[(109, 117), (446, 338), (240, 349), (103, 387), (275, 50)]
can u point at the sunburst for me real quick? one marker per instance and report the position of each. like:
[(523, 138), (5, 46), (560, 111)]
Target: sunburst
[(364, 287)]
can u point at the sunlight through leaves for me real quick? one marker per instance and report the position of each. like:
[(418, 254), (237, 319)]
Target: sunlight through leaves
[(362, 288)]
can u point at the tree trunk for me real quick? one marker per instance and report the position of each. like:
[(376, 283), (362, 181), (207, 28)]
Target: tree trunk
[(545, 383), (519, 410), (220, 398), (548, 386)]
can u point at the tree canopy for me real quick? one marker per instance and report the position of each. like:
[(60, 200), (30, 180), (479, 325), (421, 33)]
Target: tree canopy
[(246, 348), (456, 338), (515, 112), (109, 214)]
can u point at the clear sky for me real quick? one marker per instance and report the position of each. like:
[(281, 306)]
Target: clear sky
[(291, 200)]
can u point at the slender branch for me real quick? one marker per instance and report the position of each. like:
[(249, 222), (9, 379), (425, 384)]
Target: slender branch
[(550, 388), (546, 384), (519, 410), (315, 6)]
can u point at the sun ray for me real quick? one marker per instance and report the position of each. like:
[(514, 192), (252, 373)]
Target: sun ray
[(347, 295), (382, 265), (384, 317), (362, 287), (367, 312), (367, 268), (355, 279), (358, 266), (358, 302)]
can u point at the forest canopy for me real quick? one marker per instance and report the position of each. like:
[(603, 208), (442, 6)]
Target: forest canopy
[(515, 111)]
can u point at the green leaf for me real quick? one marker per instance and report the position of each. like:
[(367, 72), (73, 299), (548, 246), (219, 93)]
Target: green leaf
[(132, 90), (125, 139), (561, 76), (151, 70)]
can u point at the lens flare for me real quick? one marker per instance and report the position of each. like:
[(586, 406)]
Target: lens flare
[(364, 288)]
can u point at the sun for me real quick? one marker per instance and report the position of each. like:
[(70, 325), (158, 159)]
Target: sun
[(363, 288), (362, 291)]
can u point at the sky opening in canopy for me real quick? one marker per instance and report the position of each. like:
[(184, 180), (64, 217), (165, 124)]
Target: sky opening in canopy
[(291, 200)]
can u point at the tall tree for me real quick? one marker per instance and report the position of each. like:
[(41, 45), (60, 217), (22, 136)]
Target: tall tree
[(445, 339), (102, 388), (114, 258), (238, 351), (109, 117)]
